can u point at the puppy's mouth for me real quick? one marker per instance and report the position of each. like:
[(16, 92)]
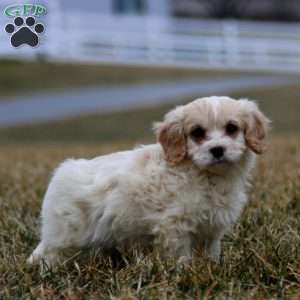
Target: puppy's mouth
[(220, 161), (219, 166)]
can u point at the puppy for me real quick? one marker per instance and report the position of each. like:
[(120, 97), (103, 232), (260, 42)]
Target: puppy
[(184, 191)]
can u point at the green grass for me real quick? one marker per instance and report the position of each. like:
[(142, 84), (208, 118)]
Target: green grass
[(281, 104), (29, 77), (261, 255)]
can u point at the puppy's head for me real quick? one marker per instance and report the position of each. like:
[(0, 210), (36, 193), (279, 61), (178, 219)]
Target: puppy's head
[(212, 132)]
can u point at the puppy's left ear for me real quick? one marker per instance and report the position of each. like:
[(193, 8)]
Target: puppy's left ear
[(256, 127), (170, 134)]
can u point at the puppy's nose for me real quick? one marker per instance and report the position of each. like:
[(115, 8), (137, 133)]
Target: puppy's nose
[(217, 152)]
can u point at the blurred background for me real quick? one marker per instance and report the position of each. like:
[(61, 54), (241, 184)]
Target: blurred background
[(105, 70)]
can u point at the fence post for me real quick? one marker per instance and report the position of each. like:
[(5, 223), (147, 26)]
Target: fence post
[(231, 43), (56, 44)]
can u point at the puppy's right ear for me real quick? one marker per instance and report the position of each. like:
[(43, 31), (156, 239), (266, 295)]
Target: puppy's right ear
[(170, 135)]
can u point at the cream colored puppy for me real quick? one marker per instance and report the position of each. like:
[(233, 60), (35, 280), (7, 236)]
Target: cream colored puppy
[(186, 190)]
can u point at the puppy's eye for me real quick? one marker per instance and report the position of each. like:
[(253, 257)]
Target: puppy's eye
[(231, 128), (198, 133)]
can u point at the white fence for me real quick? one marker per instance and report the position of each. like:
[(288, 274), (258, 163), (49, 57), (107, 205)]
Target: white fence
[(167, 41)]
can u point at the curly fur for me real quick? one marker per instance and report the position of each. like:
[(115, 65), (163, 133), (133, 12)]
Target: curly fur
[(171, 194)]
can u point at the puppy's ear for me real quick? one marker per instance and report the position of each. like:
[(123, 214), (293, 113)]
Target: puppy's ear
[(256, 126), (170, 135)]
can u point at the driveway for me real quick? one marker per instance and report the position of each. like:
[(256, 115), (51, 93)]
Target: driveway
[(47, 106)]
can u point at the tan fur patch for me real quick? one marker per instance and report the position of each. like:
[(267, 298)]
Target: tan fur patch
[(172, 139)]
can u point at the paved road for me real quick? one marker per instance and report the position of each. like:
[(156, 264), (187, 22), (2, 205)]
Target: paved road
[(56, 105)]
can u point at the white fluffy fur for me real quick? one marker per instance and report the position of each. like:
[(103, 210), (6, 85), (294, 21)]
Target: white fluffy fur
[(151, 195)]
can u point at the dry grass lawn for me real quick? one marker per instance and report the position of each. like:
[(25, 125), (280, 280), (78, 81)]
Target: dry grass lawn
[(261, 256)]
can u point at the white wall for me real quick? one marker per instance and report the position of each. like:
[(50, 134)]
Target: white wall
[(159, 7), (100, 6)]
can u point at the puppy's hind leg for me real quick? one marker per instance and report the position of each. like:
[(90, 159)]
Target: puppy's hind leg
[(53, 237), (59, 232), (41, 255)]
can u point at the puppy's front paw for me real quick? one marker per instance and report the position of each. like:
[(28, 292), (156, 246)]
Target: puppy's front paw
[(214, 257), (184, 260), (213, 251)]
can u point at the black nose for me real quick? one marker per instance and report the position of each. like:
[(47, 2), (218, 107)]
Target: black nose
[(217, 152)]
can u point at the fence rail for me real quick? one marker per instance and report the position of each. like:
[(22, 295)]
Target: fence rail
[(167, 41)]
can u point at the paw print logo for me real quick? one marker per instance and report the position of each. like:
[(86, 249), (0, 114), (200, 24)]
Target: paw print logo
[(27, 33)]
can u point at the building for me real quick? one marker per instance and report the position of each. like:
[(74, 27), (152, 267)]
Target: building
[(274, 10), (135, 7)]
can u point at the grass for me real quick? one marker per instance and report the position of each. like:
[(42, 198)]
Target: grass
[(28, 77), (261, 255), (281, 104)]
